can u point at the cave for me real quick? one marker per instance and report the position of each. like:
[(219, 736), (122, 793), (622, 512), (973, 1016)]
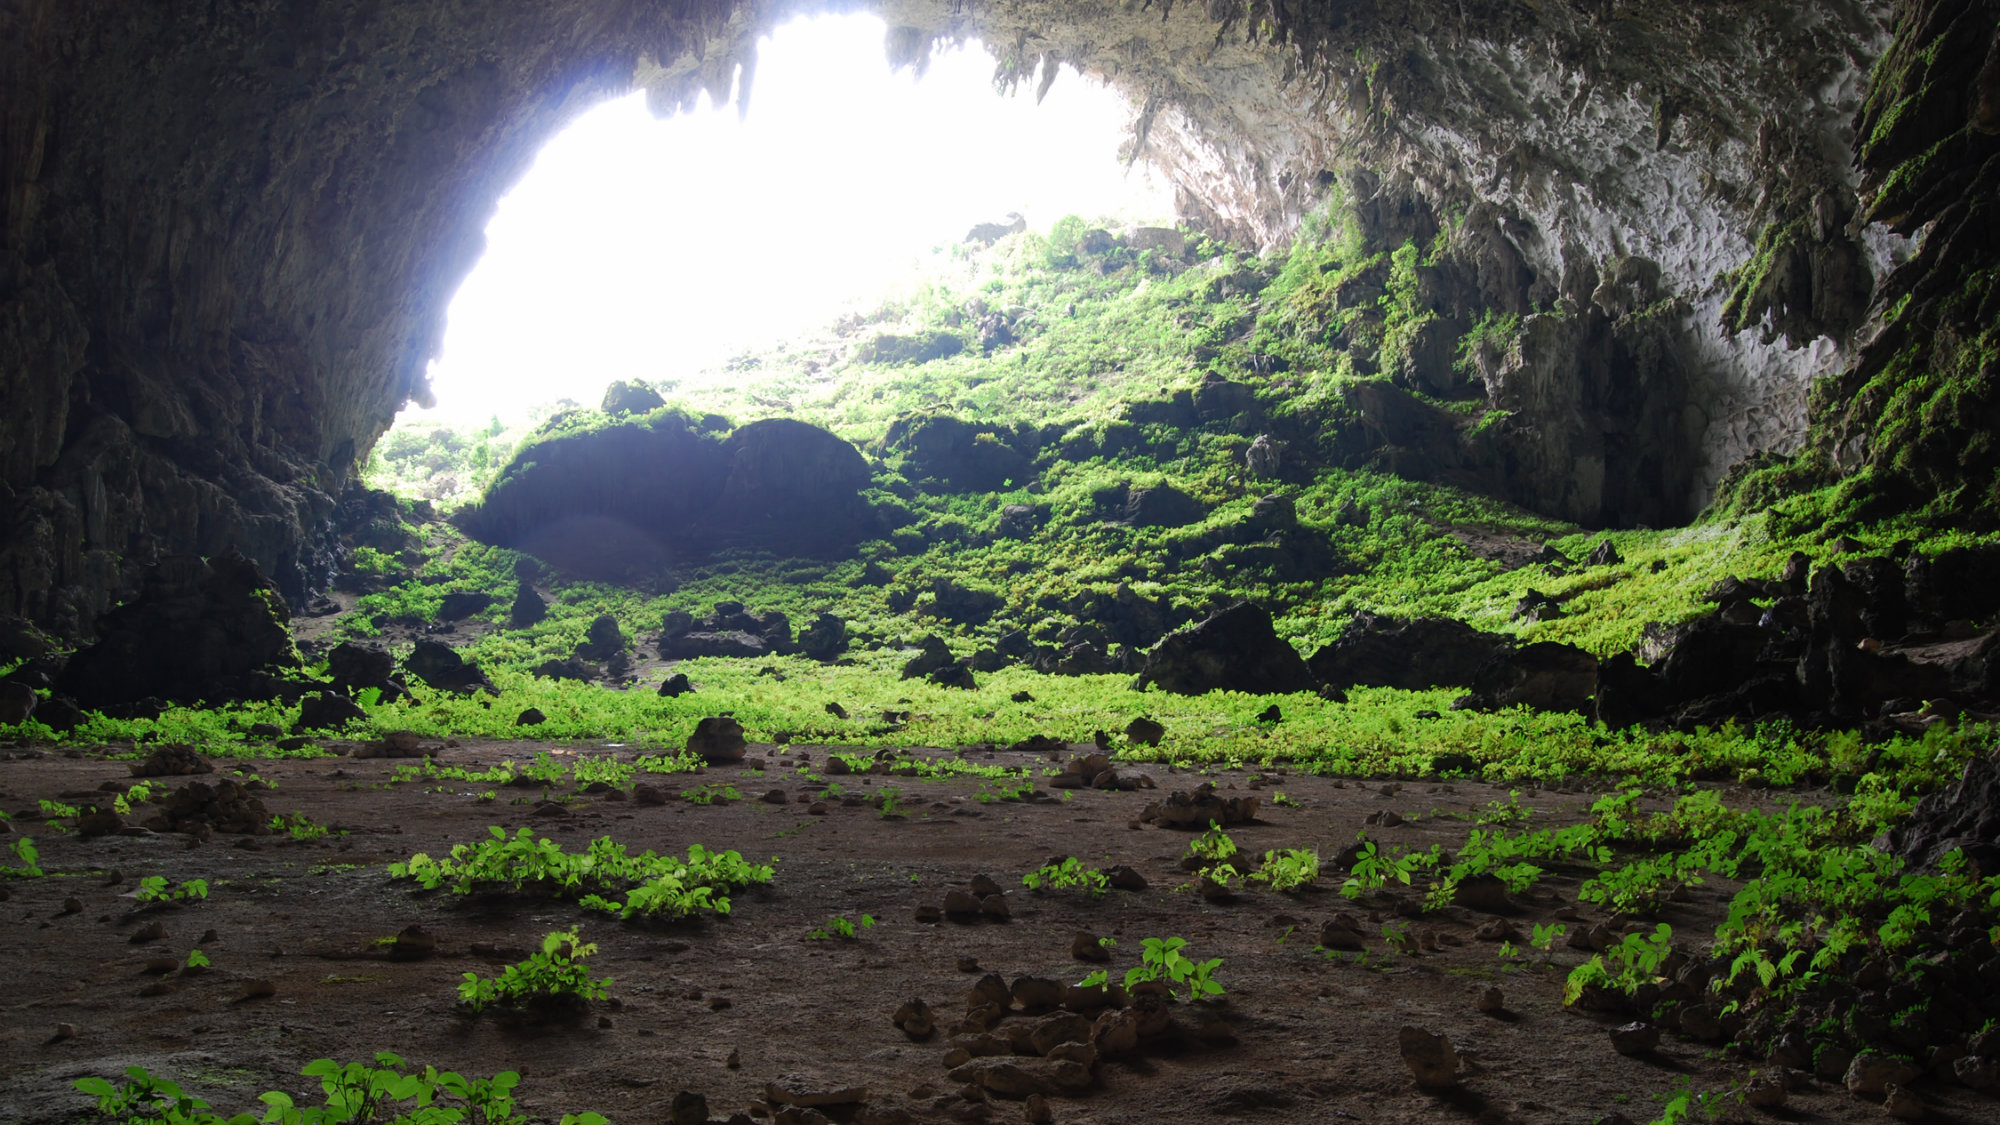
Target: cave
[(231, 234), (1670, 264)]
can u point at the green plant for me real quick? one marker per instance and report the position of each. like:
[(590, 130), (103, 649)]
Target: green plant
[(381, 1094), (29, 858), (196, 959), (1635, 960), (299, 826), (1071, 872), (710, 794), (1373, 870), (154, 889), (652, 884), (1212, 846), (553, 978), (1162, 960), (1284, 801), (1288, 870), (839, 927)]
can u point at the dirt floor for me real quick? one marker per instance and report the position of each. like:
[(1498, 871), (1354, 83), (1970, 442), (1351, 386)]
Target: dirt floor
[(1300, 1036)]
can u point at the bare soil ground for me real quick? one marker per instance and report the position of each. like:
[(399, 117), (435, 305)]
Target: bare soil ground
[(1308, 1037)]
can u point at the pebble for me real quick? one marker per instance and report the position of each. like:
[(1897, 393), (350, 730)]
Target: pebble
[(1764, 1091), (968, 964), (72, 906), (151, 931), (689, 1108), (1491, 1000), (1086, 947), (64, 1031), (735, 1059), (914, 1019), (983, 885), (1872, 1073), (1036, 1110), (1903, 1105)]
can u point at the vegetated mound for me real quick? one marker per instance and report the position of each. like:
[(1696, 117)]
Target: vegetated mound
[(612, 496)]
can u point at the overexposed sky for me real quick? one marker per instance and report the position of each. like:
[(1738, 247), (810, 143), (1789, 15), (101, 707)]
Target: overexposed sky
[(641, 248)]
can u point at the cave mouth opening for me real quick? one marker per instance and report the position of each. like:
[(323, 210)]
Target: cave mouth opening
[(655, 249)]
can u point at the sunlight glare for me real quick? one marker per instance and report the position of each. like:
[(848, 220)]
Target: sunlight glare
[(639, 248)]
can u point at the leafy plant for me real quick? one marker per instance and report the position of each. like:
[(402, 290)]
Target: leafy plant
[(1071, 872), (1372, 870), (1635, 960), (1162, 960), (554, 977), (1212, 846), (154, 889), (1288, 870), (839, 927), (652, 884), (355, 1093), (28, 857), (299, 826)]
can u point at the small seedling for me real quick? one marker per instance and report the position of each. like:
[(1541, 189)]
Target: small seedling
[(554, 977), (153, 888), (1212, 846), (1284, 801), (299, 826), (839, 927), (29, 858), (1163, 960)]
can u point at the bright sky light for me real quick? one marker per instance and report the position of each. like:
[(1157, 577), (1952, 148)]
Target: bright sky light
[(641, 248)]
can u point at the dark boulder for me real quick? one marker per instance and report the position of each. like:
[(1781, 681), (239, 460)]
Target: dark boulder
[(1160, 505), (622, 397), (603, 641), (1235, 650), (675, 686), (1544, 676), (461, 604), (529, 608), (17, 703), (327, 710), (954, 676), (640, 491), (962, 456), (354, 666), (213, 631), (1429, 652), (1604, 554), (931, 657), (570, 669), (1965, 816), (440, 666), (1019, 521), (20, 640), (718, 740), (825, 639), (921, 347), (701, 643)]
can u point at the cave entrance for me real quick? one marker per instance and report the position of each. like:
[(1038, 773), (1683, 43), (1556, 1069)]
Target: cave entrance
[(639, 248)]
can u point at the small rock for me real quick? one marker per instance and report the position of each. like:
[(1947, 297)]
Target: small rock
[(532, 717), (1087, 947), (735, 1059), (1872, 1073), (914, 1019), (718, 739), (776, 797), (1036, 994), (72, 905), (719, 1003), (1123, 878), (1903, 1105), (1635, 1038), (1976, 1072), (968, 964), (961, 906), (151, 931), (649, 795), (995, 907), (929, 915), (836, 710), (689, 1108), (1498, 929), (1764, 1091), (64, 1032), (1037, 1111), (1343, 933), (983, 885), (257, 990), (1491, 1000), (1431, 1059), (1144, 732), (1483, 892)]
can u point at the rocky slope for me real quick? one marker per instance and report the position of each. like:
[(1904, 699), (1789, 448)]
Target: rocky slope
[(228, 233)]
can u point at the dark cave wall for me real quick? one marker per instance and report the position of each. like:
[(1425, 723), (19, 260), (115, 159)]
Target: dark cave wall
[(228, 231)]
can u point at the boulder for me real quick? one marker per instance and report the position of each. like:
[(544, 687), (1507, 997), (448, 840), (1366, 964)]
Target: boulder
[(1235, 650), (623, 397), (1544, 676), (17, 702), (211, 630), (354, 666), (326, 710), (639, 491), (1428, 652), (675, 686), (1160, 505), (932, 656), (825, 639), (603, 642), (461, 604), (440, 666), (718, 740), (700, 643), (960, 455), (570, 669), (529, 607), (1965, 817)]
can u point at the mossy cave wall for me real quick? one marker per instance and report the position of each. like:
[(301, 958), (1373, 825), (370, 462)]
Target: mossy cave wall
[(228, 231)]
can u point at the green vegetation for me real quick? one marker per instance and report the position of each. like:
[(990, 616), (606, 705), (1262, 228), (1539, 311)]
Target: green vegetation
[(1288, 870), (1162, 960), (1071, 872), (154, 889), (551, 979), (652, 885), (840, 928), (378, 1094)]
